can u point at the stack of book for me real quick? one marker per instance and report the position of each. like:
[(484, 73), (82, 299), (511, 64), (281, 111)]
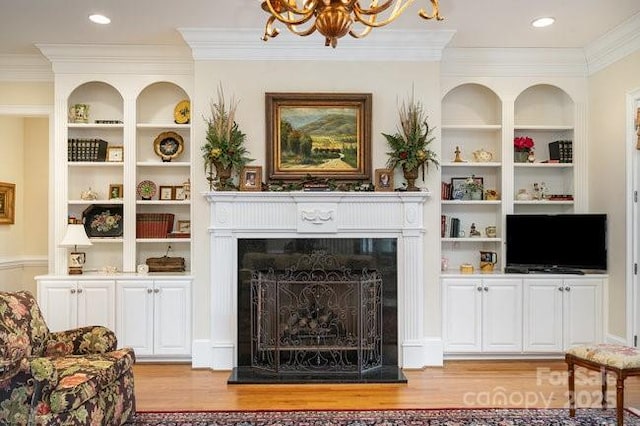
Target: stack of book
[(86, 150), (449, 227), (561, 151), (445, 191)]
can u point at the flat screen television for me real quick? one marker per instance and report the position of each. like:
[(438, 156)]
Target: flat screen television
[(556, 243)]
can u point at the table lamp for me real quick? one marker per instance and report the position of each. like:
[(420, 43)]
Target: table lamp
[(75, 237)]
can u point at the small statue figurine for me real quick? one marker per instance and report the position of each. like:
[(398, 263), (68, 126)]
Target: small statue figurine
[(536, 191), (473, 232), (458, 159), (544, 191), (531, 158)]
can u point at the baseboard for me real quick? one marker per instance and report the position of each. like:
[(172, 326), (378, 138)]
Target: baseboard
[(433, 352), (201, 353)]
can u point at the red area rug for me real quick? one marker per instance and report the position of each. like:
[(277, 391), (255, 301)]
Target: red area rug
[(435, 417)]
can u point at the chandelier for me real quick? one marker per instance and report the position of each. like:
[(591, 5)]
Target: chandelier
[(335, 18)]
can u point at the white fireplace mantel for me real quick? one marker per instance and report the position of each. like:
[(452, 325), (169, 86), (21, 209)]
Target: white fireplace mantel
[(236, 215)]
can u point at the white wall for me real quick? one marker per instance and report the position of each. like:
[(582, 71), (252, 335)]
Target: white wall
[(607, 172), (248, 81)]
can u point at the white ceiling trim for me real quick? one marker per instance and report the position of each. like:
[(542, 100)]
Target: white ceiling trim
[(25, 68), (118, 59), (513, 62), (380, 45), (614, 45)]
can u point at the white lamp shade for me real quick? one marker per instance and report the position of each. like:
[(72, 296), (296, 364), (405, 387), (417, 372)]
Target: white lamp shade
[(75, 237)]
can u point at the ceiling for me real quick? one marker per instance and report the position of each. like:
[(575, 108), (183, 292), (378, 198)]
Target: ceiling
[(489, 23)]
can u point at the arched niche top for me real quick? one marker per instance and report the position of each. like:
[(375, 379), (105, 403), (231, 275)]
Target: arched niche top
[(544, 104), (471, 104), (157, 101), (105, 101)]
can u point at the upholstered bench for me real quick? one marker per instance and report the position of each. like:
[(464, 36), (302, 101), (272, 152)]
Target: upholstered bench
[(624, 361)]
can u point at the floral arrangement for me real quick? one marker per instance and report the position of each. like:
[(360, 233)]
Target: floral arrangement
[(523, 144), (409, 146), (225, 142), (471, 184)]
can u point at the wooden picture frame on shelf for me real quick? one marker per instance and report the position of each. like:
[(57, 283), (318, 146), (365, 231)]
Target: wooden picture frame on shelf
[(458, 190), (251, 178), (116, 191), (183, 226), (167, 193), (384, 180), (115, 154), (179, 193), (316, 146), (7, 203)]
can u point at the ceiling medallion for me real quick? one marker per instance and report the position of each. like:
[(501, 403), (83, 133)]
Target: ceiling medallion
[(335, 18)]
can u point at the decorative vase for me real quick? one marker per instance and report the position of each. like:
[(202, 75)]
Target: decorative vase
[(222, 173), (520, 156), (411, 175)]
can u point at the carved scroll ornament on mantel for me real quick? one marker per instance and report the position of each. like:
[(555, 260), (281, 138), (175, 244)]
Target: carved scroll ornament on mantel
[(317, 216), (314, 217)]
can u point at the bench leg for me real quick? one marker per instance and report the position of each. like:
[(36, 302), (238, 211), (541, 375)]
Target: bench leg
[(603, 374), (620, 399), (572, 400)]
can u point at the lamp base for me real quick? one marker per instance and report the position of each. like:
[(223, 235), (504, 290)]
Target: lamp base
[(75, 270)]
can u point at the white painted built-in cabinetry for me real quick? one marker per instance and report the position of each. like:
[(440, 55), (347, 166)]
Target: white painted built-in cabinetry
[(507, 314)]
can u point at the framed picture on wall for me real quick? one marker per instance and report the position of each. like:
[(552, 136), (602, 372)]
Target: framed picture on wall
[(7, 203)]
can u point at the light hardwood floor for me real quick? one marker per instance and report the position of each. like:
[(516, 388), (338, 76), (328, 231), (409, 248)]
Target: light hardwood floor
[(533, 384)]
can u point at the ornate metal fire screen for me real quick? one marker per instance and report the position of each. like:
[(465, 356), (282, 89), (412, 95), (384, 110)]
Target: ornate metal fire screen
[(316, 317)]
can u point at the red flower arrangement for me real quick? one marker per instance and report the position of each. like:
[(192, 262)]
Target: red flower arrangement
[(523, 143)]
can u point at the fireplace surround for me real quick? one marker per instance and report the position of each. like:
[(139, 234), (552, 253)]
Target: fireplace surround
[(332, 215)]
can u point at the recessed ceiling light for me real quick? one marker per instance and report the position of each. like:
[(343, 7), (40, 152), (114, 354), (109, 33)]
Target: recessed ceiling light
[(543, 22), (99, 19)]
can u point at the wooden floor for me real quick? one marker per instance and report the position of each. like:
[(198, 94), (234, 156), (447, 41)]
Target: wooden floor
[(531, 384)]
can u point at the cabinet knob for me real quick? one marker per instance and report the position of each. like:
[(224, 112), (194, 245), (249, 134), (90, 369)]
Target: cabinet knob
[(486, 289), (73, 291), (149, 290), (560, 288), (479, 288), (567, 288), (79, 290), (157, 290)]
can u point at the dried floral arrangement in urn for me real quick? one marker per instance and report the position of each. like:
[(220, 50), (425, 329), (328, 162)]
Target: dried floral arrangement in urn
[(224, 150), (410, 144)]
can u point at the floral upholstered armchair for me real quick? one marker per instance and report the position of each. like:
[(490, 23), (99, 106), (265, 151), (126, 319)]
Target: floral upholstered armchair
[(75, 377)]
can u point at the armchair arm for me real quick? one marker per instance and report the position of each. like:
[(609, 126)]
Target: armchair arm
[(81, 341), (11, 363)]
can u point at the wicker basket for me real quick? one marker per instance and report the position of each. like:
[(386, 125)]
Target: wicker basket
[(154, 225)]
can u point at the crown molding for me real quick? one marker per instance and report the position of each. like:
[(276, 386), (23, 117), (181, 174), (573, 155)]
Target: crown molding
[(623, 40), (380, 45), (117, 59), (25, 68), (513, 62)]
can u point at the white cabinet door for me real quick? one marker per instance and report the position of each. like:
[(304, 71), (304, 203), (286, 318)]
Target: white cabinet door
[(543, 306), (582, 311), (172, 317), (96, 303), (57, 301), (135, 315), (461, 314), (502, 315)]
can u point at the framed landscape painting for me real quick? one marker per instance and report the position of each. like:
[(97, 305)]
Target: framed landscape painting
[(326, 135)]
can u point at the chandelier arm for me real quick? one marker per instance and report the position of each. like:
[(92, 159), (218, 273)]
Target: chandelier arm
[(367, 29), (303, 33), (269, 30), (291, 6), (436, 12), (365, 19), (375, 9)]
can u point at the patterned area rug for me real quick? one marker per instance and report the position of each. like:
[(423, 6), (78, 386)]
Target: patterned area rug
[(435, 417)]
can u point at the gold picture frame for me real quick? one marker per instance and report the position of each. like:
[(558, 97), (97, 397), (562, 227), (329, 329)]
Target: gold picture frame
[(166, 193), (325, 135), (116, 191), (7, 203), (251, 178), (115, 154), (384, 180), (183, 226)]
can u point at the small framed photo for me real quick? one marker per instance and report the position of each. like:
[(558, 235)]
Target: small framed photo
[(183, 226), (251, 178), (166, 193), (384, 180), (179, 193), (115, 153), (116, 192), (7, 203)]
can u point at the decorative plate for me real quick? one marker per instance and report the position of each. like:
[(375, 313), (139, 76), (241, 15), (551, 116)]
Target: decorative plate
[(147, 189), (168, 145), (182, 112), (103, 220)]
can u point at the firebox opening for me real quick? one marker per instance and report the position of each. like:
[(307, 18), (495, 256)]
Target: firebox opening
[(317, 310)]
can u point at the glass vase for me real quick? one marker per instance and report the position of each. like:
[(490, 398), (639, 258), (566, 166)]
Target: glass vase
[(520, 156)]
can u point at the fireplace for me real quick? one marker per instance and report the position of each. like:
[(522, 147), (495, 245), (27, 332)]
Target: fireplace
[(375, 227)]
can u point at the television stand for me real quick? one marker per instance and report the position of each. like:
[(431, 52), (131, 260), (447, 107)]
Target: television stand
[(542, 270)]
